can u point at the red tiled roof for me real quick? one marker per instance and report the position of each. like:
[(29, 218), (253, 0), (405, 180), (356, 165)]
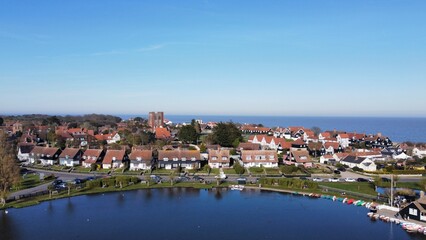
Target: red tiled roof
[(141, 155), (45, 150), (70, 152), (111, 154), (254, 153), (162, 133), (301, 156), (179, 154), (219, 155)]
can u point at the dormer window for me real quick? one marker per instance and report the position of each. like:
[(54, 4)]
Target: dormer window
[(114, 158), (139, 158)]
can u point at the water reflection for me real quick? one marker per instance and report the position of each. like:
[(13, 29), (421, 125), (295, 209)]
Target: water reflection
[(8, 229), (70, 206)]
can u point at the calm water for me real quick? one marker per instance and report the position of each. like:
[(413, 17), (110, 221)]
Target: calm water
[(398, 129), (194, 214)]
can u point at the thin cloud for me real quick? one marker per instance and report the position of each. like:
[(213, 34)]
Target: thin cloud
[(151, 48)]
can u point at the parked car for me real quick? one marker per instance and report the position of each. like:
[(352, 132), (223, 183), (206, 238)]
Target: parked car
[(77, 181), (342, 169), (183, 179), (336, 172), (362, 180), (385, 179), (198, 178), (350, 180), (61, 185), (333, 180), (317, 179), (57, 182), (156, 178)]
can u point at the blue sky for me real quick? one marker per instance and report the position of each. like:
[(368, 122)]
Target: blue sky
[(304, 58)]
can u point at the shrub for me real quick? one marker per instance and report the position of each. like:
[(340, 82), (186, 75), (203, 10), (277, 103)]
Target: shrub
[(357, 169), (93, 167), (238, 168)]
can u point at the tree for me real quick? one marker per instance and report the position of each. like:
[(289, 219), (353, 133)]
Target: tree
[(188, 134), (9, 170), (226, 134), (316, 130), (1, 121)]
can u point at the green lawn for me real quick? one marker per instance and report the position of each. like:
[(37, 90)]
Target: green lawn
[(229, 171), (256, 170), (361, 187), (272, 171), (28, 181)]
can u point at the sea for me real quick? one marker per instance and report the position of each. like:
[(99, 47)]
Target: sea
[(185, 213), (398, 129)]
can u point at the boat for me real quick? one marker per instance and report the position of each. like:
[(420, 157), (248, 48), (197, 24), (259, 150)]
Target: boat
[(334, 198), (344, 200), (411, 228), (237, 187), (370, 214), (350, 201), (373, 208)]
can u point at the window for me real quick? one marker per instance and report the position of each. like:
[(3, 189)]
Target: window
[(214, 158), (248, 157), (165, 159), (184, 159), (224, 158), (412, 211)]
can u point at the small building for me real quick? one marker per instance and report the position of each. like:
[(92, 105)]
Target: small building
[(114, 159), (24, 150), (259, 158), (415, 210), (365, 163), (170, 159), (219, 158), (70, 157), (91, 156), (140, 159)]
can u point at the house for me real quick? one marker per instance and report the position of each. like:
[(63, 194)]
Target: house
[(332, 147), (140, 159), (365, 163), (109, 138), (162, 133), (316, 149), (24, 150), (259, 158), (419, 151), (91, 156), (327, 159), (114, 159), (252, 129), (170, 159), (343, 140), (46, 155), (415, 210), (70, 157), (219, 158), (299, 158), (299, 144), (248, 146), (323, 136)]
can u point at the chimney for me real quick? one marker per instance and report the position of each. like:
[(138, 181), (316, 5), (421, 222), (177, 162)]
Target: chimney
[(379, 134)]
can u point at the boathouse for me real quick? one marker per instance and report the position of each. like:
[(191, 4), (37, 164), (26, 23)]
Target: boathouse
[(415, 210)]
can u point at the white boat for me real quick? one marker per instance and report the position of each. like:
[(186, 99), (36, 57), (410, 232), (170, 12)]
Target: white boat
[(237, 187)]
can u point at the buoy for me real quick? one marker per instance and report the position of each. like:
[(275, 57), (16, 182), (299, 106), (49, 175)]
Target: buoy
[(5, 211)]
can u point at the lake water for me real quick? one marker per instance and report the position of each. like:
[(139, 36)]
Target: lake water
[(194, 214), (398, 129)]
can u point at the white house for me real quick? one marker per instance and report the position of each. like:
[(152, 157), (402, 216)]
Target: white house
[(46, 155), (91, 156), (419, 151), (219, 158), (70, 157), (343, 140), (140, 159), (24, 151), (259, 158), (365, 163), (114, 159), (188, 159)]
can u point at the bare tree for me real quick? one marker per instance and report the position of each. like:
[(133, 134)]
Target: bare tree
[(9, 170)]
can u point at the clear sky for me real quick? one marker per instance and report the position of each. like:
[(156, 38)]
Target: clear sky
[(304, 58)]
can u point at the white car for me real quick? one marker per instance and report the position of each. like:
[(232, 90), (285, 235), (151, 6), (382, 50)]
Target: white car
[(317, 179), (333, 180), (350, 180)]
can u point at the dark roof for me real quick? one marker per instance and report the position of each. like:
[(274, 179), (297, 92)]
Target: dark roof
[(27, 148), (353, 159)]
